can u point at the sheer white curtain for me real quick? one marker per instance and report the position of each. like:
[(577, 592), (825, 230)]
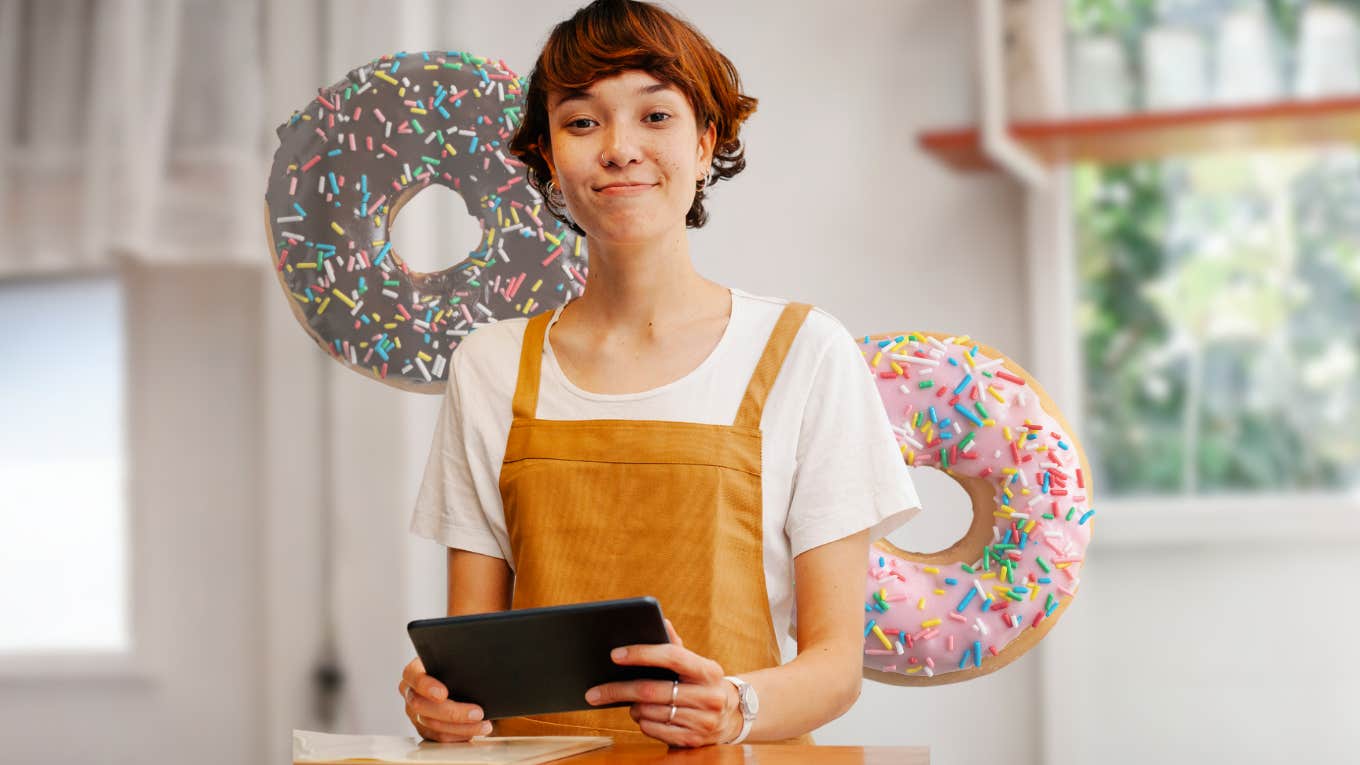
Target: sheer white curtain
[(144, 128)]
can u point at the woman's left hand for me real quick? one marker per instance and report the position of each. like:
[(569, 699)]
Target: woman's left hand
[(705, 705)]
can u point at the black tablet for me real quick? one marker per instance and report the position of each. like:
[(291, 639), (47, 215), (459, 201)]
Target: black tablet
[(533, 661)]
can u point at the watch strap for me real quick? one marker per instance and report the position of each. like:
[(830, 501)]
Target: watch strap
[(746, 720)]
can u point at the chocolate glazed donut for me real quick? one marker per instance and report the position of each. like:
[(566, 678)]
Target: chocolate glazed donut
[(345, 165)]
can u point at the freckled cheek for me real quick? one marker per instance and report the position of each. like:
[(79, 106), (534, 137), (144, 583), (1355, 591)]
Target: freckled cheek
[(676, 173)]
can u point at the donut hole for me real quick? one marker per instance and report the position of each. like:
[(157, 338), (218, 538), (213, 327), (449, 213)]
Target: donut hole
[(433, 229), (945, 517)]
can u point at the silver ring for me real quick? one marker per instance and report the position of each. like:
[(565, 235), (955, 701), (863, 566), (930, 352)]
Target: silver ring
[(670, 716), (675, 688)]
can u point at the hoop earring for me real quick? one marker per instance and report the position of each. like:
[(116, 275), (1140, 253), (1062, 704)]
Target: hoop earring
[(555, 194), (557, 204)]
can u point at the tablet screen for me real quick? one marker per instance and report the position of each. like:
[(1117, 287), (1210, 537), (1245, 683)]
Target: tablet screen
[(537, 660)]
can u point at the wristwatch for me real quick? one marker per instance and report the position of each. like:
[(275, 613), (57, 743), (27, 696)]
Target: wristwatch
[(749, 705)]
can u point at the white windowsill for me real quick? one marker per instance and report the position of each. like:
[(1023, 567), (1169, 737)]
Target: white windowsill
[(1227, 519), (100, 668)]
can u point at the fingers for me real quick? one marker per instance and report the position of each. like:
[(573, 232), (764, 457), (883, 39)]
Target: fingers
[(445, 720), (697, 719), (658, 692), (414, 677), (433, 713), (446, 711), (685, 717), (675, 735), (689, 665), (449, 732)]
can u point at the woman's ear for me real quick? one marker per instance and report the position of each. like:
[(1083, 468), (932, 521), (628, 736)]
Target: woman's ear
[(706, 142), (546, 153)]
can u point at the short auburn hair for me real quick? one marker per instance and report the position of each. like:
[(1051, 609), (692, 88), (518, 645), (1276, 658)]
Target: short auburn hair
[(608, 37)]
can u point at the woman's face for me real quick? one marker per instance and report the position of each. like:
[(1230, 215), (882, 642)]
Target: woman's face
[(626, 154)]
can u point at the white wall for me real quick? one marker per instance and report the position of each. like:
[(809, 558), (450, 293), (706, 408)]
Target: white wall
[(1195, 651)]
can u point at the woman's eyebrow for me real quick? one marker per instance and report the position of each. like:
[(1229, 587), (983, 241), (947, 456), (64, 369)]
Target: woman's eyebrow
[(577, 94)]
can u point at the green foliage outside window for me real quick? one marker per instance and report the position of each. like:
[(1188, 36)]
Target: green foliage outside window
[(1219, 305), (1219, 313)]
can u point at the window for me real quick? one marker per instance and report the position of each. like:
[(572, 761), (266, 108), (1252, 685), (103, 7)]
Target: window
[(64, 578), (1219, 312), (1218, 295)]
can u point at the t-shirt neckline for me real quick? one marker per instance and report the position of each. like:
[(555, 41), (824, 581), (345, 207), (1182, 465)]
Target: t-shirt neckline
[(560, 377)]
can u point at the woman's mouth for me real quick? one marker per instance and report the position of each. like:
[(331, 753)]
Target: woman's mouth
[(623, 190)]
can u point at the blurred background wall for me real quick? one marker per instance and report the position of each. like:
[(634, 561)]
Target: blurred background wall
[(202, 516)]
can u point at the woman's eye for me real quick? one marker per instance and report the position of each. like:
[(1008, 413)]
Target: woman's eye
[(585, 122)]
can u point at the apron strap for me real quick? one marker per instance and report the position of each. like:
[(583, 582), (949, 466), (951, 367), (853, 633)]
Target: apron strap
[(525, 404), (767, 369)]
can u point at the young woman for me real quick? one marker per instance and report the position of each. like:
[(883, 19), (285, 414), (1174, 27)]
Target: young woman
[(662, 434)]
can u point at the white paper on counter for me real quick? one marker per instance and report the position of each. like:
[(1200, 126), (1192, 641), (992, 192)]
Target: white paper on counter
[(315, 748)]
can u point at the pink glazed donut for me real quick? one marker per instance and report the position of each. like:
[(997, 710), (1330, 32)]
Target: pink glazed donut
[(965, 409)]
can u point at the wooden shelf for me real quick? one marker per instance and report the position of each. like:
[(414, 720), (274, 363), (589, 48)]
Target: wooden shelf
[(1148, 135)]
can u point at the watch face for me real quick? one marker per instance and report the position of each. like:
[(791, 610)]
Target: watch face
[(750, 702)]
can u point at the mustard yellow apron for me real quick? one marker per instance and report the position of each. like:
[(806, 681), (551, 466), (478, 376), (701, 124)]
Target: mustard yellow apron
[(605, 509)]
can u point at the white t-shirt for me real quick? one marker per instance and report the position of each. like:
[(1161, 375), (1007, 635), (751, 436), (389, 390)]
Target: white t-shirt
[(830, 465)]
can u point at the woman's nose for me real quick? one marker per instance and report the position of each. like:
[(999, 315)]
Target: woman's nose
[(621, 146)]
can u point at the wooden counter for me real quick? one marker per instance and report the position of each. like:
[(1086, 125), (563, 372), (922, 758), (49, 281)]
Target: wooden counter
[(763, 754)]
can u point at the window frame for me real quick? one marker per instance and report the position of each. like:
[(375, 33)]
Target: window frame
[(1153, 519), (137, 665)]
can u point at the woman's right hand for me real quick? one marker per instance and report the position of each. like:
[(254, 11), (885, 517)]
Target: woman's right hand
[(435, 716)]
